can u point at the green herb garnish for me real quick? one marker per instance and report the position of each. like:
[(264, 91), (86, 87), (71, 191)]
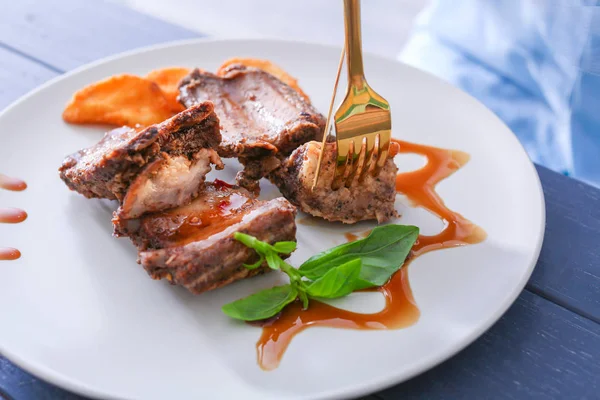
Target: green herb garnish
[(382, 253), (336, 272), (261, 305)]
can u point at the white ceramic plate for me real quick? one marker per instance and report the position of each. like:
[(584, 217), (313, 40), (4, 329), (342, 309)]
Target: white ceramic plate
[(80, 313)]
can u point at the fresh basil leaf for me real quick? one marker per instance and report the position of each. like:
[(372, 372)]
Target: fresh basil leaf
[(382, 253), (284, 247), (337, 282), (273, 259), (261, 305), (377, 271)]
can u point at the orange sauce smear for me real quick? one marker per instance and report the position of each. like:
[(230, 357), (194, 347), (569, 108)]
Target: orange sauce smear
[(351, 237), (13, 184), (9, 254), (223, 209), (11, 215), (400, 308)]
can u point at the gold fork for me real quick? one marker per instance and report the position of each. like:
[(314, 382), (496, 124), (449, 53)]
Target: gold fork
[(363, 122)]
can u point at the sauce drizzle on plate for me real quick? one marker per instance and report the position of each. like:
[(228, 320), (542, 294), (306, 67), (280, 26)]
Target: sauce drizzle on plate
[(9, 254), (13, 184), (11, 215), (400, 309)]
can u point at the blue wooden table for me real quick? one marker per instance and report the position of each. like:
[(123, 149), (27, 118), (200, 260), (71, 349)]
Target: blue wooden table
[(546, 346)]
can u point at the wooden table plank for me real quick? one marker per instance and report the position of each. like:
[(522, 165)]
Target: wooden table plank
[(568, 271), (537, 350), (19, 75), (69, 33), (18, 384)]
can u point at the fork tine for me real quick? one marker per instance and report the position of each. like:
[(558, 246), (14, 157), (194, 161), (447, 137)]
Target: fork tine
[(344, 167), (360, 163), (349, 161), (371, 159), (383, 150)]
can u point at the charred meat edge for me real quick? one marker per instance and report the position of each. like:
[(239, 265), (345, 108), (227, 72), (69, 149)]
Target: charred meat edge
[(111, 176)]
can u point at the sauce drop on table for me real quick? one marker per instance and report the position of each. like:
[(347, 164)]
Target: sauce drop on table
[(400, 308)]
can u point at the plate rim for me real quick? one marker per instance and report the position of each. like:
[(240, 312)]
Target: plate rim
[(54, 377)]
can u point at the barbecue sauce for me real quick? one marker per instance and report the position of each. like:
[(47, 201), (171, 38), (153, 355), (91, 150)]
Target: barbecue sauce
[(11, 215), (9, 254), (400, 308), (221, 207), (14, 184), (351, 237)]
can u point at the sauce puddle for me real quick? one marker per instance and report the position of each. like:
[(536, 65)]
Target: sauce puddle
[(351, 237), (400, 308), (11, 215)]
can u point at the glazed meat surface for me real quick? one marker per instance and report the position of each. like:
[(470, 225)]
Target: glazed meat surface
[(193, 245), (372, 199), (149, 169), (259, 114)]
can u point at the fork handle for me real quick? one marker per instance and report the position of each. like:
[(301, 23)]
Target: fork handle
[(353, 43)]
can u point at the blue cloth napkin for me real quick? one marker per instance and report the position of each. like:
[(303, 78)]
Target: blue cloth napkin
[(535, 63)]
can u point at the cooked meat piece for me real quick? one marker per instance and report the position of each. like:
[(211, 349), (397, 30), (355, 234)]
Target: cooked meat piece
[(149, 169), (193, 245), (254, 170), (260, 115), (371, 199)]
